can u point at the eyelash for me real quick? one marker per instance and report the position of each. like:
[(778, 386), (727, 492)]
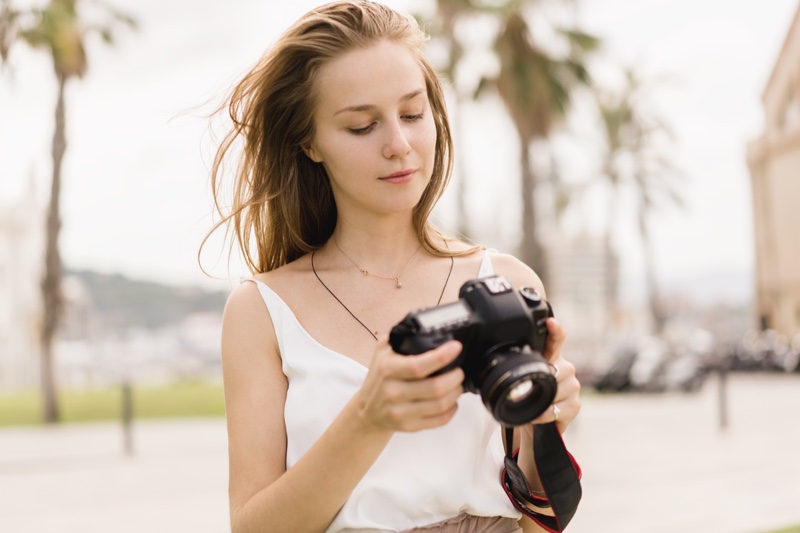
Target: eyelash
[(367, 129)]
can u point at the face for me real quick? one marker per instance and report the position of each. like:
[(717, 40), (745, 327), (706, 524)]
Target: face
[(374, 129)]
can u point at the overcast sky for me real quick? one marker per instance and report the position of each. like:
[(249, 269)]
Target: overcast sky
[(135, 194)]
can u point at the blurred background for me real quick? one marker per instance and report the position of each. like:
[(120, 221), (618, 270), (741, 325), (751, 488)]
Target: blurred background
[(643, 157)]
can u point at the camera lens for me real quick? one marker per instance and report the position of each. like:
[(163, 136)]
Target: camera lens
[(516, 386), (520, 391)]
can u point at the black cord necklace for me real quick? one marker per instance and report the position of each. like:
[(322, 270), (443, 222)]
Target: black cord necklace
[(374, 333)]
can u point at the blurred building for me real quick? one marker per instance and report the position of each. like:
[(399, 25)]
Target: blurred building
[(582, 287), (92, 349), (21, 244), (774, 161)]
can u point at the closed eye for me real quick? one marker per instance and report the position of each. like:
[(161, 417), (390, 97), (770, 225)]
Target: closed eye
[(362, 131), (367, 129)]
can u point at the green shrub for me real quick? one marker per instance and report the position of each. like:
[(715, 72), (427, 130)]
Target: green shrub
[(185, 399)]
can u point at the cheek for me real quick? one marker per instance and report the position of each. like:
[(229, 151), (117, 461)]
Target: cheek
[(428, 142), (336, 149), (423, 137)]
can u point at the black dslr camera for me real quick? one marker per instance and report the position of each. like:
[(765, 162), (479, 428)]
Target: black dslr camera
[(503, 332)]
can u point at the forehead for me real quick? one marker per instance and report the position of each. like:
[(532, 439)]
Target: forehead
[(379, 74)]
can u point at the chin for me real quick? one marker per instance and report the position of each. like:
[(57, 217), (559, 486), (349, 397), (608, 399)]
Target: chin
[(397, 206)]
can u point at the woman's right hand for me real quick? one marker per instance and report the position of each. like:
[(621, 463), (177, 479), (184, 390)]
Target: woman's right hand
[(398, 395)]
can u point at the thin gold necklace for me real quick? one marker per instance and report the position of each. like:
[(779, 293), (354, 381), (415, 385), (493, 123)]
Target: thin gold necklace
[(373, 333), (365, 272)]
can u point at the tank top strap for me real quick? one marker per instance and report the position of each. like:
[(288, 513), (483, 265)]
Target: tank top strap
[(275, 304), (487, 269), (300, 352), (283, 319)]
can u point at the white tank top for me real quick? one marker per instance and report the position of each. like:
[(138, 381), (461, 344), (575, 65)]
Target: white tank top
[(420, 478)]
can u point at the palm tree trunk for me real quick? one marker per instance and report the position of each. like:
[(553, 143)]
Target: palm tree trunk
[(531, 251), (51, 283), (653, 300)]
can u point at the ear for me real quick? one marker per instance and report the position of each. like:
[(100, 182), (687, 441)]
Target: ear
[(312, 153)]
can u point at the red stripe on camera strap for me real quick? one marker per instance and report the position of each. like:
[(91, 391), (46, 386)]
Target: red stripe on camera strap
[(558, 472)]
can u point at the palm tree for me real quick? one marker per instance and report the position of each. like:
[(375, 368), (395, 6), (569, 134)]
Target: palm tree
[(536, 86), (60, 31), (636, 141)]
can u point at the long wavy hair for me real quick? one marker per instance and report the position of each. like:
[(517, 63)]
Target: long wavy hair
[(282, 205)]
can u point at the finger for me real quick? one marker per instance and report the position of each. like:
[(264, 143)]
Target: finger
[(429, 413), (562, 369), (420, 366), (556, 335), (568, 411), (567, 404), (550, 414), (426, 389), (430, 422), (562, 412), (567, 388)]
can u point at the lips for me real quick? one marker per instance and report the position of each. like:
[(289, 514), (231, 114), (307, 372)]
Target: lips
[(401, 176)]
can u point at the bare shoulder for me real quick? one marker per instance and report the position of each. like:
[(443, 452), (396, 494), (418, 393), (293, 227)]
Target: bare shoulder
[(247, 329), (246, 313), (244, 306), (517, 272)]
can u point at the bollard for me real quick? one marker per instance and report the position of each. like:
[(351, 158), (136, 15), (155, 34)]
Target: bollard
[(127, 416), (723, 396)]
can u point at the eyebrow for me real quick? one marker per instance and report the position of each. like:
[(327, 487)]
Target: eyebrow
[(368, 107)]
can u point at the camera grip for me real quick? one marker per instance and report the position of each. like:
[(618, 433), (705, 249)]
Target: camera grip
[(406, 340)]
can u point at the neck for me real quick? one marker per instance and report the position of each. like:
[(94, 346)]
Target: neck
[(382, 247)]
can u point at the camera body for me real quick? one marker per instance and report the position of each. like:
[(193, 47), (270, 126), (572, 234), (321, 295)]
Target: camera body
[(503, 332)]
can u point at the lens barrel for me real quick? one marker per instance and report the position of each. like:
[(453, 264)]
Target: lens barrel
[(517, 387)]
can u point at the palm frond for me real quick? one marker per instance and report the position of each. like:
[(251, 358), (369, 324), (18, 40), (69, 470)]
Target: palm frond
[(580, 41)]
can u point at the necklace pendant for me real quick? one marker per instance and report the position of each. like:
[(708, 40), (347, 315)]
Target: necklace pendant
[(398, 283)]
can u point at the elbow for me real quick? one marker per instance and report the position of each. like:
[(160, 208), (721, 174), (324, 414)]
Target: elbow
[(243, 519), (235, 520), (238, 519)]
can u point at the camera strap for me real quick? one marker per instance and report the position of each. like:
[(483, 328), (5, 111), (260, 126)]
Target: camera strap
[(558, 472)]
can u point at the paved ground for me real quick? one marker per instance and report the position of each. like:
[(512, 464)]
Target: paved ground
[(652, 464), (658, 464)]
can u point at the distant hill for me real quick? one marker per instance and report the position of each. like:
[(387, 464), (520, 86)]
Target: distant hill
[(121, 302)]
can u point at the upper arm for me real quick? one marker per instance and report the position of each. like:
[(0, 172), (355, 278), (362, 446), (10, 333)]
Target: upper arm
[(518, 273), (255, 393)]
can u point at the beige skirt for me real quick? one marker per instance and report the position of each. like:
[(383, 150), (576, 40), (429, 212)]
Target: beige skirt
[(471, 524)]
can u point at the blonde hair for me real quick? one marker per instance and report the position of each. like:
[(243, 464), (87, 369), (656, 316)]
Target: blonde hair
[(282, 204)]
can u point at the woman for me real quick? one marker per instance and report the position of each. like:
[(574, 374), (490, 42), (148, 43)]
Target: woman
[(345, 150)]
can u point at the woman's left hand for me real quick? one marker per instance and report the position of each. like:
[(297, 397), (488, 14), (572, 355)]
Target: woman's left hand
[(567, 403)]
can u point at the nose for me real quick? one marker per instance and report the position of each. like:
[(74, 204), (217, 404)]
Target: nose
[(396, 142)]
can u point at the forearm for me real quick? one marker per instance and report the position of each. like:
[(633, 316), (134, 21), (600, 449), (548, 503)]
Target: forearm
[(526, 460), (529, 526), (527, 464), (307, 497)]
